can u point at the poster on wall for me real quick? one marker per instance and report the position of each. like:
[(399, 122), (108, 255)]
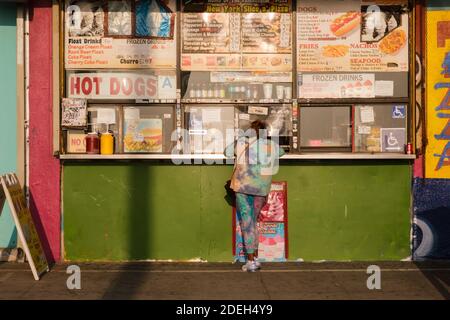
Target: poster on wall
[(272, 227), (437, 157), (142, 135), (11, 190), (157, 85), (352, 36), (120, 34), (236, 36), (74, 112)]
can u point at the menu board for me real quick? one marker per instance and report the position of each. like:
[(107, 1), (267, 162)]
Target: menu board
[(229, 35), (352, 36), (120, 34)]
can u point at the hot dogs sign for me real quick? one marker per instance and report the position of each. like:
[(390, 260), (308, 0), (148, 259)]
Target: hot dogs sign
[(352, 36), (122, 85)]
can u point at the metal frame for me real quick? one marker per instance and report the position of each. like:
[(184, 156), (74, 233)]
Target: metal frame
[(295, 101)]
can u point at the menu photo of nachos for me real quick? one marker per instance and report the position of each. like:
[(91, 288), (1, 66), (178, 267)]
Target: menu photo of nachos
[(143, 136)]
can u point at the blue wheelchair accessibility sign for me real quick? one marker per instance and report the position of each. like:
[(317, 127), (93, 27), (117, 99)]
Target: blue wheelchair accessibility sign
[(398, 112)]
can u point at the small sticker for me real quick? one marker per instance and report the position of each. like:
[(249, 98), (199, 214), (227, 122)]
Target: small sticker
[(264, 111), (398, 112), (167, 116), (364, 130), (244, 116), (367, 114)]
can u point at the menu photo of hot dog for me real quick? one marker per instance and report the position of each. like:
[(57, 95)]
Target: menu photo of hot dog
[(345, 23)]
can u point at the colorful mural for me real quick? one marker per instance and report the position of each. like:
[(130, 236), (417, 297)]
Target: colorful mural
[(438, 93)]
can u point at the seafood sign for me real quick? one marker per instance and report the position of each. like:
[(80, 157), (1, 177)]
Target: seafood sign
[(438, 95), (11, 190)]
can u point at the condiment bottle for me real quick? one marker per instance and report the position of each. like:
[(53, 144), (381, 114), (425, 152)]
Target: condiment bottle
[(92, 143), (107, 143)]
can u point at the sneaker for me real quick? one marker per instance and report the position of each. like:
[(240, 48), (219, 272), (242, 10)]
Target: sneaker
[(250, 266), (258, 263)]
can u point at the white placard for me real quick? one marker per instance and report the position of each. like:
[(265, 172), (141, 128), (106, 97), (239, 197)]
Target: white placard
[(264, 111), (367, 114), (244, 116), (384, 88), (364, 129), (106, 116)]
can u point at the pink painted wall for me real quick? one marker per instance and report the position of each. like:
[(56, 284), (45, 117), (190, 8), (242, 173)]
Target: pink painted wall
[(44, 168)]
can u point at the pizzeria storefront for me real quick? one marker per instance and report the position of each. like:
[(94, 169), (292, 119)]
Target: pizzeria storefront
[(151, 92)]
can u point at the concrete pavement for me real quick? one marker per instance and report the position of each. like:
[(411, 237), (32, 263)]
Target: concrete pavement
[(225, 281)]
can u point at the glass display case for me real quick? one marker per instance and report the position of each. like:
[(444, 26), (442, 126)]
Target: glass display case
[(325, 128), (208, 128), (380, 127), (278, 119), (148, 129)]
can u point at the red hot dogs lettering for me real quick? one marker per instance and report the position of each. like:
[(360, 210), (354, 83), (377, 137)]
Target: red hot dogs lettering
[(121, 86)]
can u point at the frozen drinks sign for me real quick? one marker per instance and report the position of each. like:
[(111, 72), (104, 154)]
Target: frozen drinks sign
[(122, 86), (336, 86)]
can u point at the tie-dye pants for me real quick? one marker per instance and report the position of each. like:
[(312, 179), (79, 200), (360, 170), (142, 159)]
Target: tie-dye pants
[(249, 207)]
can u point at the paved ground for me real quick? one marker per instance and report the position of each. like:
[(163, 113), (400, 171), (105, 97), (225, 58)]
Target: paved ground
[(224, 281)]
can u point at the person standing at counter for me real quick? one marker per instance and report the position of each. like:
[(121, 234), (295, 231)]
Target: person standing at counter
[(256, 156)]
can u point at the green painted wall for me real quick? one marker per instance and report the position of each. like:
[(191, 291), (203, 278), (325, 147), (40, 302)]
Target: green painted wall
[(8, 113), (141, 210)]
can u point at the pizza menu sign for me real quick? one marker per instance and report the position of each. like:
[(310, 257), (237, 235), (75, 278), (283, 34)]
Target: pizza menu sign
[(231, 35), (352, 36)]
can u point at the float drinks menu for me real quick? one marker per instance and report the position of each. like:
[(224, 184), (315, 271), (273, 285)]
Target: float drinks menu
[(120, 34), (232, 35), (351, 37)]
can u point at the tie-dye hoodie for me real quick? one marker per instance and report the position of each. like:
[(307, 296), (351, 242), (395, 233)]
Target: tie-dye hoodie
[(255, 163)]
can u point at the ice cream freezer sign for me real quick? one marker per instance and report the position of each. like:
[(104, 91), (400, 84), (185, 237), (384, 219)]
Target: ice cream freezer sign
[(121, 86)]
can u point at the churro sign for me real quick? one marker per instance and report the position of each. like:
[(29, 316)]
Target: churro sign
[(438, 94), (120, 34), (121, 86)]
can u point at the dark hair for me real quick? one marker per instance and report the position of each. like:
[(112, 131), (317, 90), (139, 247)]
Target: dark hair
[(258, 125)]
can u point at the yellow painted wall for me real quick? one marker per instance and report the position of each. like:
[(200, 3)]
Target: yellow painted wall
[(437, 163)]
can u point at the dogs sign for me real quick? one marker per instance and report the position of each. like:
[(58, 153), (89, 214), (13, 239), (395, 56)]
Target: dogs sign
[(11, 191)]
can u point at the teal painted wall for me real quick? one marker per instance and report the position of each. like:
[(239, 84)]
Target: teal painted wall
[(140, 210), (8, 113)]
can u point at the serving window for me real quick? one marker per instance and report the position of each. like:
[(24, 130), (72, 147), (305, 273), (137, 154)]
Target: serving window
[(208, 128), (161, 76), (325, 128)]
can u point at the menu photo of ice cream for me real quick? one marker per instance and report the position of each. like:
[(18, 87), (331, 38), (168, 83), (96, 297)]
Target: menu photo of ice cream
[(272, 244)]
